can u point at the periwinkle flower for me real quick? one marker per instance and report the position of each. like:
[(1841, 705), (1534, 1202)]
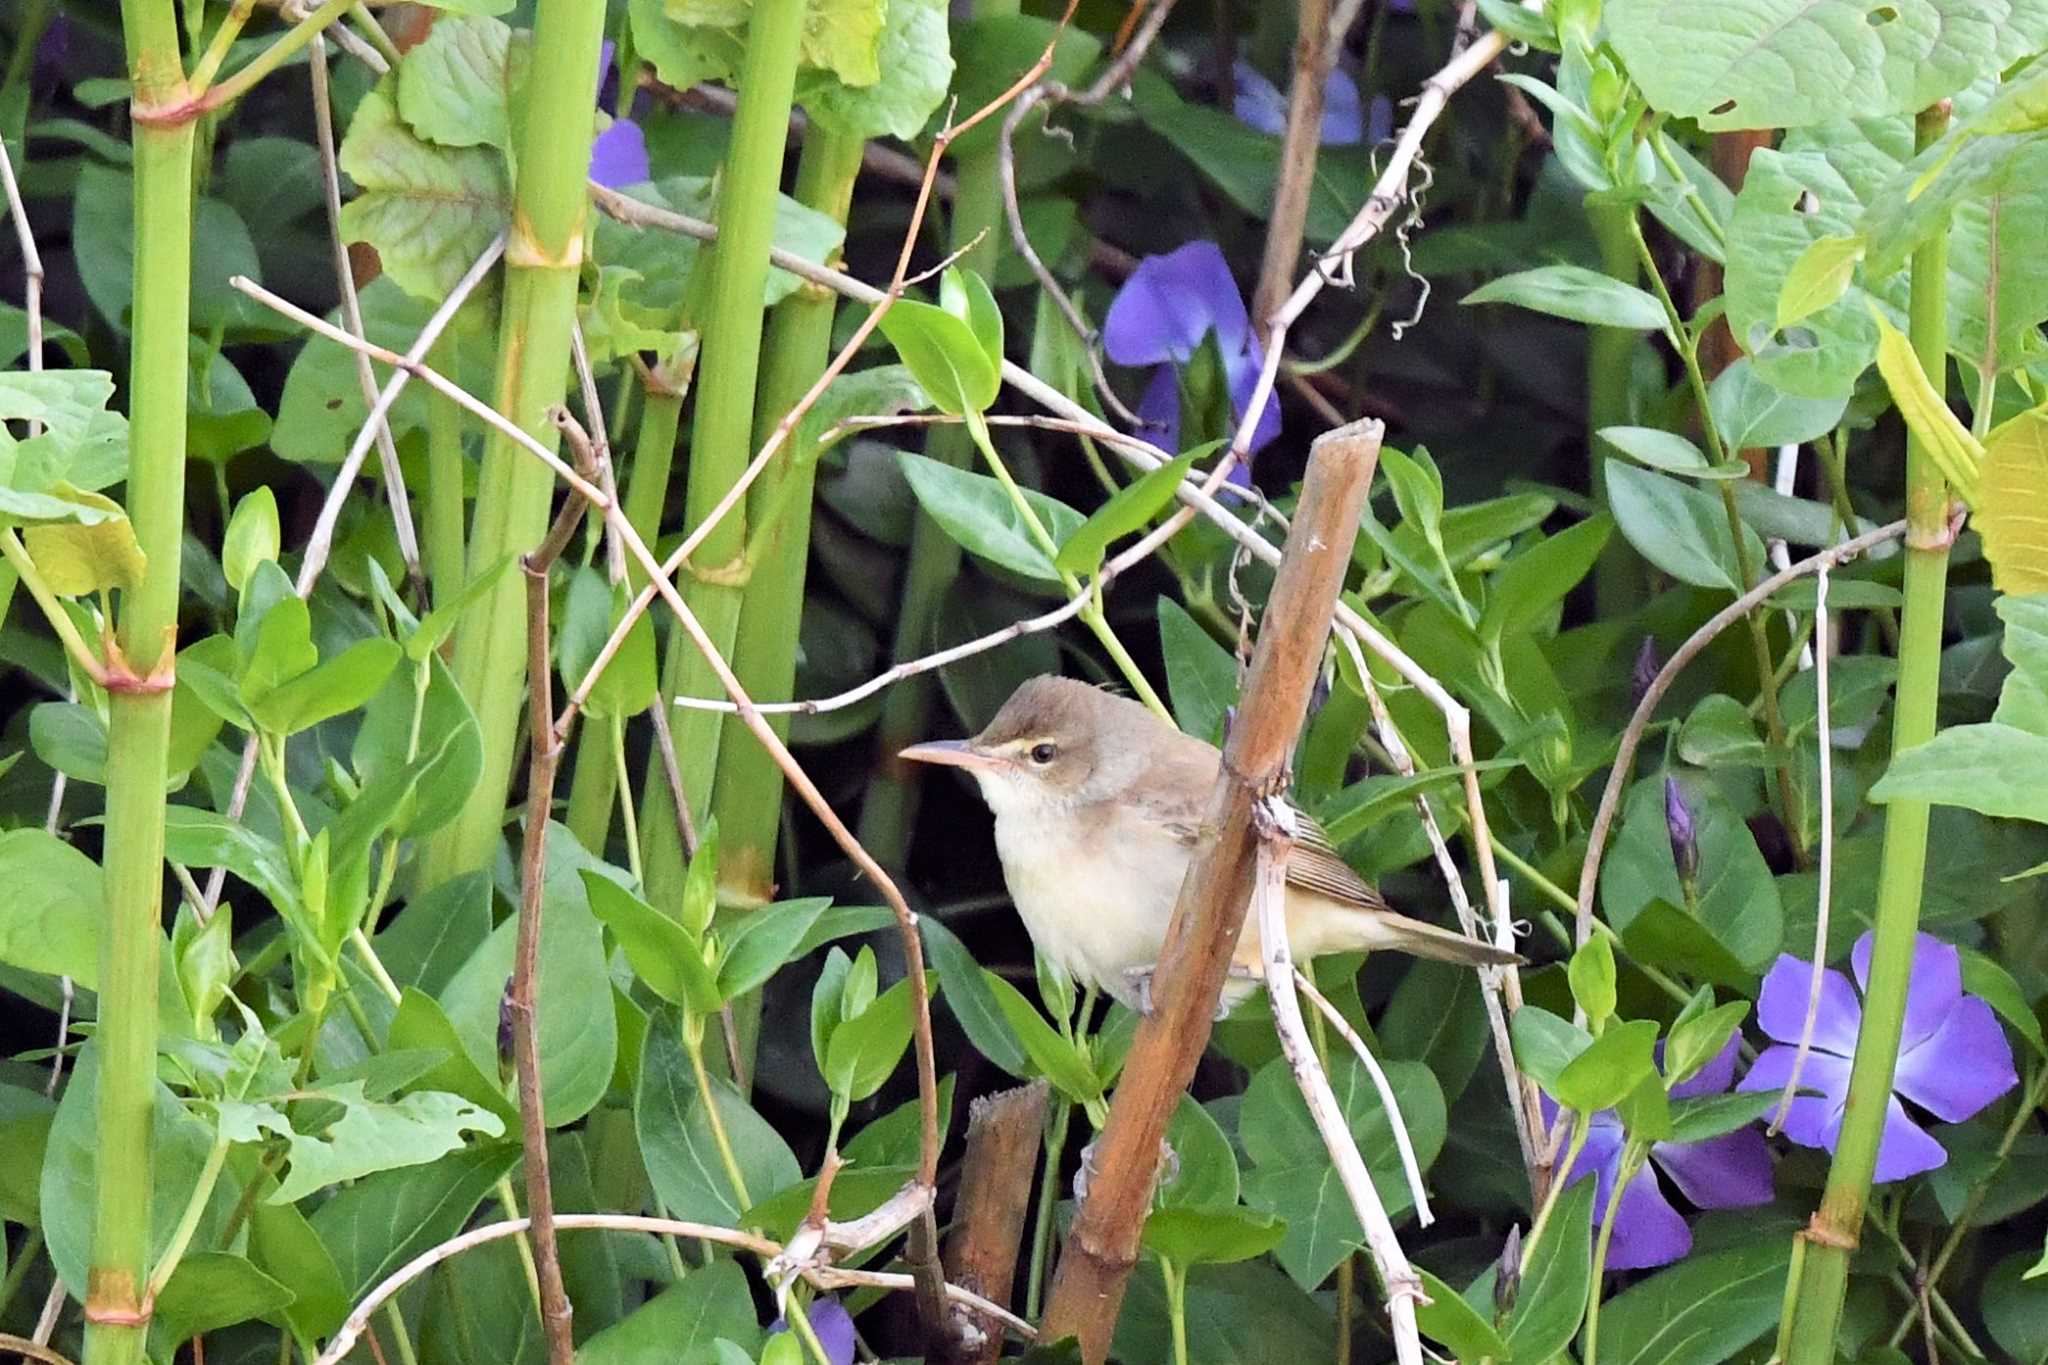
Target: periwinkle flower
[(1160, 318), (1260, 104), (832, 1324), (1643, 672), (1726, 1172), (619, 155), (1684, 832), (1953, 1056)]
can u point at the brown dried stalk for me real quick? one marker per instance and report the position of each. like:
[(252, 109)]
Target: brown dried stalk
[(1003, 1132)]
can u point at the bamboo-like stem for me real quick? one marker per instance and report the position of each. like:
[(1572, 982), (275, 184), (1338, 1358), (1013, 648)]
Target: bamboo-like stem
[(1617, 576), (1003, 1134), (747, 796), (1816, 1305), (116, 1309), (719, 438), (447, 528), (542, 260), (1286, 224)]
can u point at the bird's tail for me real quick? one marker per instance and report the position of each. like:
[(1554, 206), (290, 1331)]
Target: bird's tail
[(1387, 930)]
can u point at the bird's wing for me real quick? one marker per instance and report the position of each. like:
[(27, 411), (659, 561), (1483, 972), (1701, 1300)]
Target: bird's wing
[(1314, 865)]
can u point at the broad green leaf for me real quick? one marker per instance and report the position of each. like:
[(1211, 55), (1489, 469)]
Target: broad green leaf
[(1211, 1236), (337, 685), (1945, 439), (2012, 503), (412, 1130), (381, 1222), (284, 1246), (420, 1024), (252, 535), (1704, 1310), (2016, 1309), (1291, 1175), (447, 736), (1129, 510), (676, 1141), (865, 1049), (1680, 529), (593, 609), (1454, 1324), (1669, 451), (763, 940), (1201, 675), (322, 407), (1600, 1077), (972, 1002), (455, 89), (1711, 1116), (1051, 1055), (944, 355), (1788, 63), (1545, 1044), (1993, 769), (1418, 492), (1720, 734), (430, 211), (200, 838), (1591, 974), (976, 511), (103, 246), (966, 296), (1664, 936), (211, 1290), (1751, 413), (1739, 903), (1552, 1298), (50, 920), (578, 1038), (1819, 277), (914, 66), (439, 623), (1245, 1313), (1436, 1017), (92, 550), (1521, 594), (681, 1323), (1208, 1175), (1576, 293), (683, 55), (1988, 981)]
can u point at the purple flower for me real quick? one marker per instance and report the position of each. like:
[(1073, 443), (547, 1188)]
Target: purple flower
[(1726, 1172), (1685, 839), (619, 155), (1159, 318), (1261, 105), (832, 1323), (1953, 1057)]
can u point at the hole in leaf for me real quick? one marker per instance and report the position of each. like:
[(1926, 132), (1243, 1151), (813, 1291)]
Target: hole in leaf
[(1882, 15), (1808, 202), (1799, 339), (334, 405)]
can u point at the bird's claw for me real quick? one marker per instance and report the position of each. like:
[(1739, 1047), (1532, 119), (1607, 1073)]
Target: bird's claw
[(1138, 981), (1169, 1169)]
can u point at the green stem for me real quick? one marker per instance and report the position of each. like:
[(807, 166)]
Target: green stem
[(720, 439), (1745, 565), (288, 46), (693, 1043), (396, 1321), (1176, 1307), (889, 809), (617, 726), (443, 515), (81, 653), (542, 262), (1632, 1157), (1817, 1305), (593, 784), (1580, 1128), (1617, 581), (1048, 1205), (188, 1222), (117, 1319)]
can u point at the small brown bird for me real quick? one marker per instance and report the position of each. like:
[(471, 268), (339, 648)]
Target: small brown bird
[(1098, 807)]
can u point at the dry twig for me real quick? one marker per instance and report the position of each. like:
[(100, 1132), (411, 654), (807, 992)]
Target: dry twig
[(1003, 1133)]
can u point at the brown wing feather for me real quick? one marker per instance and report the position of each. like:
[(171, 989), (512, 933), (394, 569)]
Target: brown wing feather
[(1315, 865)]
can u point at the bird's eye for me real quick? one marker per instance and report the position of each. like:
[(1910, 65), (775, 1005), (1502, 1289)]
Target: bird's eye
[(1043, 753)]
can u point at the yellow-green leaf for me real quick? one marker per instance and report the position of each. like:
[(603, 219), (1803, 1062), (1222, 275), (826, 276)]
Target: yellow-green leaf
[(2012, 503), (1819, 277), (1947, 441), (87, 555)]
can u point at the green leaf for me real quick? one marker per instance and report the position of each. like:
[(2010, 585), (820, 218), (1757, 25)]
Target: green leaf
[(1704, 1310), (593, 609), (420, 1024), (1436, 1017), (2016, 1309), (1201, 675), (865, 1049), (1454, 1324), (1946, 440), (1697, 1036), (455, 88), (1545, 1044), (1591, 974), (322, 408), (1711, 1116), (2010, 502), (1680, 529), (973, 1003), (578, 1039), (681, 1323), (1752, 413), (283, 1245), (252, 535), (1820, 276), (1603, 1075), (1739, 902), (93, 549), (50, 921), (764, 940), (1210, 1236), (1552, 1299), (1521, 594), (1129, 510), (368, 1136), (1993, 769), (1054, 1058), (1291, 1175), (1208, 1175), (914, 69), (379, 1223), (337, 685), (976, 512), (663, 954), (944, 355), (1993, 984), (676, 1141), (430, 211), (1576, 293), (1720, 734), (1418, 491), (1668, 451), (1787, 63), (211, 1290)]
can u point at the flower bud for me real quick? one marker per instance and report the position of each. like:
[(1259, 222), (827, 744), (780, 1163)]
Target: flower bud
[(1644, 672), (1678, 822), (1507, 1277), (506, 1016)]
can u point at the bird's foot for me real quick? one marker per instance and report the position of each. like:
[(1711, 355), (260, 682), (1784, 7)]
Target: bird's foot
[(1169, 1168), (1138, 984)]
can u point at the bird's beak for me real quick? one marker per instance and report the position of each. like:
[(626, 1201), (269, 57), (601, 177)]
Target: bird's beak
[(955, 753)]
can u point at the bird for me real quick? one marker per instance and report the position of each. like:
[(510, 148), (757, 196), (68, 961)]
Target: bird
[(1099, 806)]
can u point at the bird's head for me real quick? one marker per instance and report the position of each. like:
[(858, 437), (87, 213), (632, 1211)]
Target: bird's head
[(1056, 743)]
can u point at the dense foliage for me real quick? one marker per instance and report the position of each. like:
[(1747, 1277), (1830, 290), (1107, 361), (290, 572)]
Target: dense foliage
[(384, 859)]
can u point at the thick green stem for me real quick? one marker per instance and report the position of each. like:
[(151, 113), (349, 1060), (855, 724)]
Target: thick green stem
[(890, 809), (445, 523), (1816, 1305), (1617, 577), (117, 1313), (720, 439), (542, 261), (1632, 1157), (747, 799)]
